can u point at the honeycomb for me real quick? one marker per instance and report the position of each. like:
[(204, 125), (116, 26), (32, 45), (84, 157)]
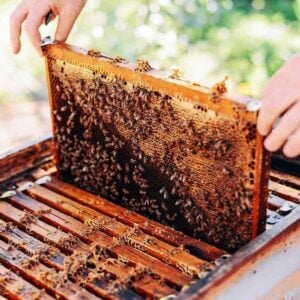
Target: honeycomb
[(171, 150)]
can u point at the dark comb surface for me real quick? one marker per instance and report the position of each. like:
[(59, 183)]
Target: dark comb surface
[(163, 147)]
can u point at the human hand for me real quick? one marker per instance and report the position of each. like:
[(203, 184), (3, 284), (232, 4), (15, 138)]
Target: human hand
[(33, 13), (281, 98)]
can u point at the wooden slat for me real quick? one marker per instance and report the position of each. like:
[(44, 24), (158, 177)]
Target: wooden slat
[(28, 244), (159, 291), (157, 248), (33, 245), (285, 192), (58, 265), (287, 179), (40, 229), (15, 287), (25, 158), (79, 229), (15, 259), (17, 238), (52, 216), (165, 233), (274, 255)]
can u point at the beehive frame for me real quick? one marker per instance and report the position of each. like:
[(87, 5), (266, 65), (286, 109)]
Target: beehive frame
[(194, 157)]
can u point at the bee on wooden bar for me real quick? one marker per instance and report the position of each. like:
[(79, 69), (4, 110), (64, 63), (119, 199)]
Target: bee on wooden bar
[(218, 90), (176, 74), (94, 53), (142, 66)]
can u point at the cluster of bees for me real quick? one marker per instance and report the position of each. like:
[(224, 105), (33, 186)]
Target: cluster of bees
[(130, 145)]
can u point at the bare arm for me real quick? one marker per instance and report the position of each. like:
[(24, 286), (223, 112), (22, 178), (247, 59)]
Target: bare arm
[(33, 12), (281, 98)]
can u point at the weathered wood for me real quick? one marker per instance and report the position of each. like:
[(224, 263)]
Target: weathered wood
[(32, 246), (39, 229), (156, 229), (285, 179), (52, 226), (78, 229), (15, 260), (25, 158), (172, 255), (15, 287), (285, 192)]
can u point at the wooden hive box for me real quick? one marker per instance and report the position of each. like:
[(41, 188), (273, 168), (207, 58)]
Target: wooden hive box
[(53, 244)]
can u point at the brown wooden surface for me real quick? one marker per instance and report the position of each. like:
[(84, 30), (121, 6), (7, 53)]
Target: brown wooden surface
[(284, 191), (55, 237), (45, 217), (28, 156), (128, 217), (14, 260), (32, 245), (157, 248), (70, 225), (284, 178), (15, 287), (255, 258)]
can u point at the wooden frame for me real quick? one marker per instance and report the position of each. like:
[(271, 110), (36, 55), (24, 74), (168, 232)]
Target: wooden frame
[(232, 107)]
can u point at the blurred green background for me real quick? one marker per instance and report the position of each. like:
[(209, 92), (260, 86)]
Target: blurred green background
[(248, 40)]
